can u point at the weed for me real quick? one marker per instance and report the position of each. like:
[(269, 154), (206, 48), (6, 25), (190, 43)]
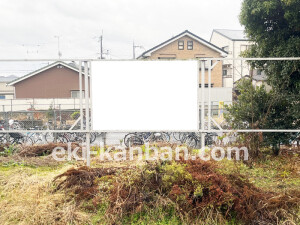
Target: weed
[(9, 150)]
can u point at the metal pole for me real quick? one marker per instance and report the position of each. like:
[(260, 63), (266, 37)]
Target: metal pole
[(87, 113), (242, 68), (202, 103), (54, 125), (233, 63), (104, 139), (54, 119), (90, 92), (209, 94), (6, 123), (101, 46), (60, 114), (133, 51), (80, 95)]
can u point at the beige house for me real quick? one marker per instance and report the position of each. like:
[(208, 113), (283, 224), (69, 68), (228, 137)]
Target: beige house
[(187, 45)]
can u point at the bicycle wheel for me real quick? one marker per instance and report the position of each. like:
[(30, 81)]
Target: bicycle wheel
[(26, 141), (166, 136), (62, 138), (176, 136), (159, 137), (208, 140), (80, 137), (49, 137), (4, 139), (183, 136), (127, 137), (134, 141), (191, 141), (93, 137), (36, 137)]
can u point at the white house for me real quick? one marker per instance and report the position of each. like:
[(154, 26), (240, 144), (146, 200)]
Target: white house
[(6, 92), (234, 42)]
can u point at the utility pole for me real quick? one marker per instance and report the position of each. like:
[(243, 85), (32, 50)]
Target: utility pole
[(59, 53), (101, 47), (134, 47), (100, 40)]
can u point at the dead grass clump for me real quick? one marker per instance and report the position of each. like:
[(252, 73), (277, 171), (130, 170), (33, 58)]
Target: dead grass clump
[(134, 189), (234, 194), (82, 180), (196, 188), (42, 150)]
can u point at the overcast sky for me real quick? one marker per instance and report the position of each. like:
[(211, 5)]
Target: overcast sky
[(28, 27)]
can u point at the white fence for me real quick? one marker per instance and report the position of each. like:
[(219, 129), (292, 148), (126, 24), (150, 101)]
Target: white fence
[(13, 105)]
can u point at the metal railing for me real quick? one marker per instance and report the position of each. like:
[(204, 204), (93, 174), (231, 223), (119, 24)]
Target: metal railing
[(85, 104)]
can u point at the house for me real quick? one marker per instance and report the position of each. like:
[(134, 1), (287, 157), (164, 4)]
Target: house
[(258, 80), (187, 45), (6, 92), (56, 80), (234, 42)]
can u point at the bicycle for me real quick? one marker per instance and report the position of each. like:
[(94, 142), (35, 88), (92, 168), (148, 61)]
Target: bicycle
[(137, 138)]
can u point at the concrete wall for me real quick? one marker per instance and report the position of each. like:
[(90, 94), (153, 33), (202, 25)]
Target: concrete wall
[(199, 51), (217, 94)]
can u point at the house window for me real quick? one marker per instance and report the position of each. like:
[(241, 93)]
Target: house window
[(244, 47), (206, 85), (2, 96), (224, 72), (258, 72), (190, 45), (75, 94), (166, 58), (180, 45)]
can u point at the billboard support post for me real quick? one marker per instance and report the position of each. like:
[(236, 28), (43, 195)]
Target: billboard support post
[(87, 113), (202, 104)]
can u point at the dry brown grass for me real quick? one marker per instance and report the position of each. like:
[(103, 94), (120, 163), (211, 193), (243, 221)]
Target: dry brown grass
[(27, 198), (31, 161), (44, 149)]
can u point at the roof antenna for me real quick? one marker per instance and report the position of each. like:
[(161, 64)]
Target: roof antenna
[(59, 52)]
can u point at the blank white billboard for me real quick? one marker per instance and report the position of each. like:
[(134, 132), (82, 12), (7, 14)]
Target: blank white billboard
[(145, 95)]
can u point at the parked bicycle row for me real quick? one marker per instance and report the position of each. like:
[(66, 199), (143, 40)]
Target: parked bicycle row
[(192, 140), (30, 137)]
